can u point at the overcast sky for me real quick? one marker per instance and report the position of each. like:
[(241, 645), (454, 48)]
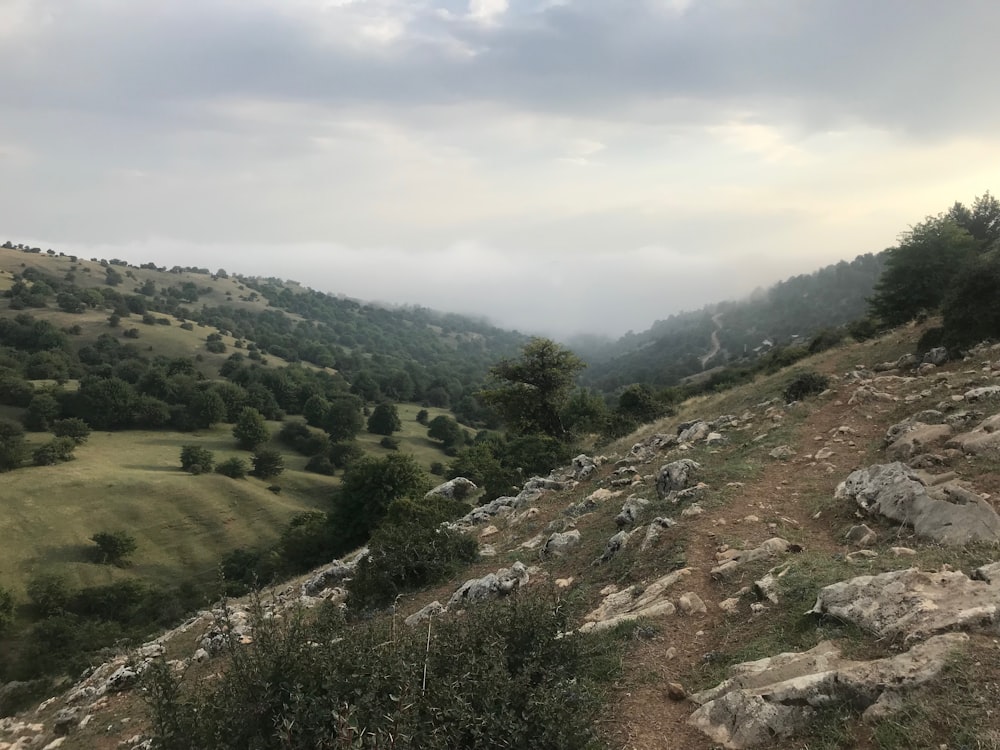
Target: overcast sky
[(555, 165)]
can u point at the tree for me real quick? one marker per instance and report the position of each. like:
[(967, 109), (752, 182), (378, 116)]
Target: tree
[(267, 463), (446, 430), (250, 429), (343, 419), (370, 485), (6, 609), (234, 468), (384, 419), (422, 416), (531, 391), (113, 547), (42, 410), (13, 447), (206, 408), (920, 269), (970, 311), (53, 452)]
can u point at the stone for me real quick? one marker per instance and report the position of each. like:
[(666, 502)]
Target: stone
[(200, 655), (425, 613), (697, 431), (490, 586), (634, 602), (903, 551), (489, 531), (656, 526), (936, 356), (914, 604), (778, 697), (782, 452), (732, 560), (692, 510), (458, 488), (122, 678), (715, 438), (675, 476), (65, 719), (336, 572), (692, 604), (676, 691), (631, 511), (823, 453), (981, 440), (861, 536), (559, 543), (980, 394), (948, 513), (583, 467), (614, 546), (916, 438)]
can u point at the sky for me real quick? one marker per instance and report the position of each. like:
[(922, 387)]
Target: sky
[(559, 166)]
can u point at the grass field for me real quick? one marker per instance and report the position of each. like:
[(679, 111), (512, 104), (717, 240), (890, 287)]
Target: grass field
[(132, 480), (412, 438)]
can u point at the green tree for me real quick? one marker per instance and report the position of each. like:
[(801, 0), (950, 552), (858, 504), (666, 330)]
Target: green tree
[(530, 392), (920, 269), (267, 463), (234, 468), (53, 452), (13, 447), (369, 486), (113, 547), (446, 430), (42, 410), (384, 419), (343, 419), (971, 313), (196, 459), (206, 408), (250, 429)]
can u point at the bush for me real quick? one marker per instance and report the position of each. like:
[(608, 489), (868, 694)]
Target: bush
[(508, 674), (53, 452), (437, 469), (250, 430), (73, 428), (113, 547), (234, 468), (862, 329), (321, 465), (805, 384), (216, 347), (6, 609), (48, 594), (196, 460), (390, 443)]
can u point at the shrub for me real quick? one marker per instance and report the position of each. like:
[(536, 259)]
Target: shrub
[(113, 546), (216, 347), (48, 594), (234, 468), (862, 329), (437, 469), (6, 609), (196, 459), (250, 430), (53, 452), (507, 674), (321, 465), (73, 428), (389, 443), (805, 384)]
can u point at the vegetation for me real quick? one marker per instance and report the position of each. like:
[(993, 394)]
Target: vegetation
[(250, 430), (114, 547), (197, 460)]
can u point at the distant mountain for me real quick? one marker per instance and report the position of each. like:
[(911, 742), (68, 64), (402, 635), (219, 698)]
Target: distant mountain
[(723, 333)]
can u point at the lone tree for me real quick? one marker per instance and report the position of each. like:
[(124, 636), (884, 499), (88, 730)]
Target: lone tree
[(384, 420), (13, 447), (113, 547), (250, 430), (267, 463), (446, 430), (530, 392)]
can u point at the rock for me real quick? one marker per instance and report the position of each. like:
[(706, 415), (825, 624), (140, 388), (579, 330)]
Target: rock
[(56, 743), (903, 551), (535, 542), (592, 501), (657, 525), (458, 488), (65, 719), (631, 511), (675, 476), (715, 438), (907, 361), (927, 368), (200, 655), (823, 453), (913, 603), (122, 678), (614, 546), (564, 583), (583, 467), (336, 572), (729, 606), (425, 613), (490, 586), (692, 434), (916, 438), (936, 356), (692, 604), (692, 510), (732, 560), (772, 699), (866, 395), (980, 394), (676, 691), (983, 439), (782, 452), (861, 536), (489, 531), (560, 542), (635, 602), (768, 587), (948, 514)]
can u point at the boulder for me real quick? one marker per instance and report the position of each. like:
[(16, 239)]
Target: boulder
[(915, 439), (947, 513), (675, 476), (425, 613), (936, 356), (861, 536), (631, 511), (458, 488), (490, 586), (983, 439), (583, 467), (730, 561), (614, 546), (336, 572), (698, 431), (772, 699), (656, 526), (782, 452), (560, 542), (914, 604), (634, 602), (980, 394)]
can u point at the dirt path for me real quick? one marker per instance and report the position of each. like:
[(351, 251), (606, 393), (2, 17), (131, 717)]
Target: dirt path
[(717, 320)]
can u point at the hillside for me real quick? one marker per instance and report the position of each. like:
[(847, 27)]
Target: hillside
[(709, 565), (732, 332)]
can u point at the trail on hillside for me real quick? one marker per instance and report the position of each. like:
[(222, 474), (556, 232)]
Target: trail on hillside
[(717, 320)]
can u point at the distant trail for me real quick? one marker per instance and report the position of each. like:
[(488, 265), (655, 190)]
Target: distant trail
[(715, 340)]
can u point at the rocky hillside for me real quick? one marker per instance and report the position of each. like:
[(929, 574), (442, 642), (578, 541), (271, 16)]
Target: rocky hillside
[(816, 574)]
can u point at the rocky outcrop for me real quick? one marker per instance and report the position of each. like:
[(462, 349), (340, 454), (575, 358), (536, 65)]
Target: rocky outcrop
[(947, 513), (634, 602), (778, 697), (731, 560), (490, 586), (458, 488), (677, 475), (983, 439), (561, 542), (425, 613), (914, 604), (915, 438), (327, 578), (631, 511)]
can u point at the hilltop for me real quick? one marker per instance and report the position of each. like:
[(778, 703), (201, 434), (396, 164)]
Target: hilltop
[(701, 541)]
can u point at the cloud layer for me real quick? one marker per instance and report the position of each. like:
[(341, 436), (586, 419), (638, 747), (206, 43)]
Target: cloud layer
[(558, 166)]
